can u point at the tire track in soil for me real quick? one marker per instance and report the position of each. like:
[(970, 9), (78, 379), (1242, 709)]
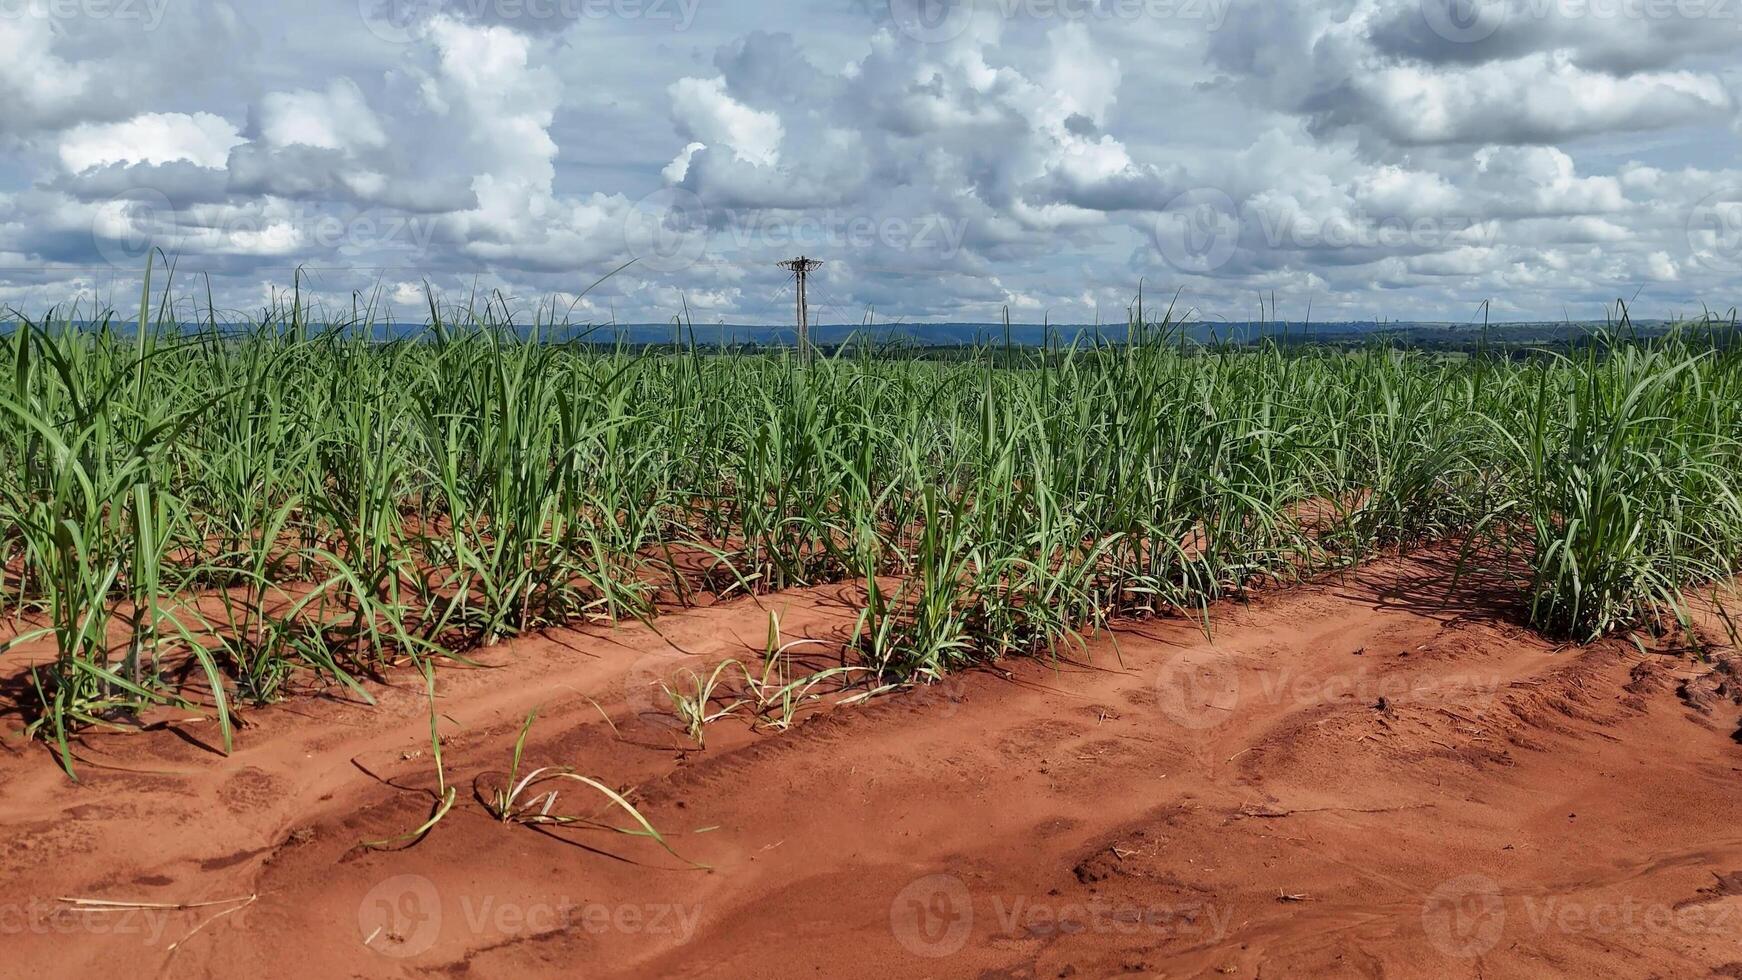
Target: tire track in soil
[(1366, 776)]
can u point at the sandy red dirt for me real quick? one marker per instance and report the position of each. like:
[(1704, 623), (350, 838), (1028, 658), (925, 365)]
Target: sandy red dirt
[(1373, 775)]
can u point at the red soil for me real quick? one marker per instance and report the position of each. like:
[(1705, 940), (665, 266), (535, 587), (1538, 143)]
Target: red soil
[(1368, 776)]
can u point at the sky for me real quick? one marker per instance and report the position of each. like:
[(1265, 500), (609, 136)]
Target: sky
[(1361, 159)]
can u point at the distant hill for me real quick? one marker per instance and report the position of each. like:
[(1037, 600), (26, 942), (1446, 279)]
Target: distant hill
[(1033, 335), (1420, 334)]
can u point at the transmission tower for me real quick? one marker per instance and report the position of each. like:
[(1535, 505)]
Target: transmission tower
[(801, 268)]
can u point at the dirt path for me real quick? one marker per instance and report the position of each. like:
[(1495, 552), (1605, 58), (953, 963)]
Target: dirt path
[(1363, 777)]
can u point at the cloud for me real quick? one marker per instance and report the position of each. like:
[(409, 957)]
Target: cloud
[(1379, 68), (1620, 37), (202, 139), (1363, 153), (335, 119), (38, 87), (1538, 99), (706, 114)]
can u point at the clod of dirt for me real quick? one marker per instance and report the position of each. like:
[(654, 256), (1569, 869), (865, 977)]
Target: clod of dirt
[(1724, 886), (1098, 868), (1716, 688), (1647, 677), (1109, 861)]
